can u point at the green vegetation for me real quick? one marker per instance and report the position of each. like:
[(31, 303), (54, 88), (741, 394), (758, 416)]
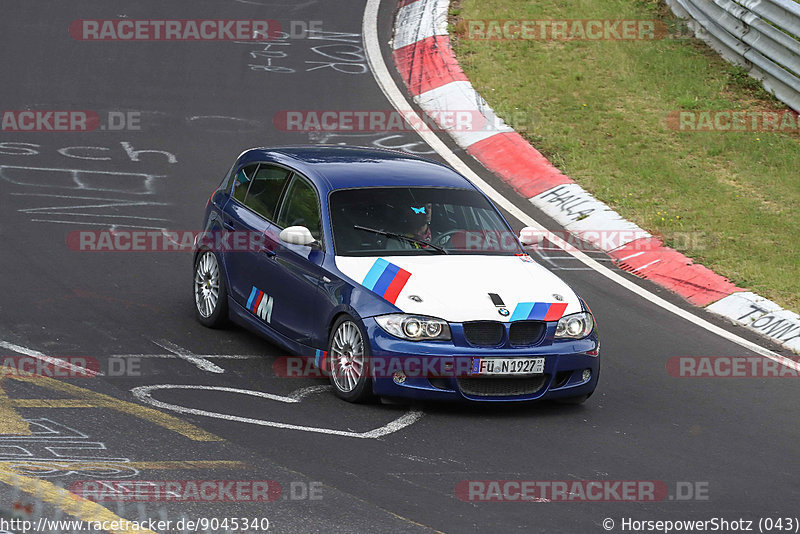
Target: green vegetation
[(598, 110)]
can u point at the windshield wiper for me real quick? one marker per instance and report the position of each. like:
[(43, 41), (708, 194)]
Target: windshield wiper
[(401, 236)]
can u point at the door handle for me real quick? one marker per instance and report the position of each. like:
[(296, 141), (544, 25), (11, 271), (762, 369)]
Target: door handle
[(228, 225), (268, 252)]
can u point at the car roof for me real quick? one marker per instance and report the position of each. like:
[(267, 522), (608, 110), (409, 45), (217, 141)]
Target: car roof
[(342, 167)]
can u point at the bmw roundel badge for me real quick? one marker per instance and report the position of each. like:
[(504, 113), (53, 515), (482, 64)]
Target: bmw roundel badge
[(502, 311)]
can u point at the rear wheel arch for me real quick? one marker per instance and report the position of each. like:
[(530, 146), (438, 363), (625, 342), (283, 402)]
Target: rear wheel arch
[(218, 317)]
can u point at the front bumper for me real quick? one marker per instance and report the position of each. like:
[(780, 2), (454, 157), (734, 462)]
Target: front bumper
[(440, 370)]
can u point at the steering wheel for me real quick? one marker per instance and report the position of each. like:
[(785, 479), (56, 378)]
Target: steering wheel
[(443, 239), (489, 240)]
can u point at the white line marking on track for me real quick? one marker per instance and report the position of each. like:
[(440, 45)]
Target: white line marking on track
[(143, 393), (646, 265), (49, 359), (116, 201), (310, 390), (198, 361), (372, 49), (635, 254), (111, 226), (103, 215), (120, 204), (204, 356), (252, 393), (78, 177), (568, 258)]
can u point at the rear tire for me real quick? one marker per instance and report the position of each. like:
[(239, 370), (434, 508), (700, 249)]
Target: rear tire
[(210, 291), (349, 357)]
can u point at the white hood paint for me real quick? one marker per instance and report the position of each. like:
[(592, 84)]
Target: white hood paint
[(456, 287)]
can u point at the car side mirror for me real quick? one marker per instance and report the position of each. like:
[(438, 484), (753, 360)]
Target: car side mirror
[(297, 235), (530, 236)]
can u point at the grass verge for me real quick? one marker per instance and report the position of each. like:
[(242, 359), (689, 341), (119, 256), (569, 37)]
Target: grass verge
[(598, 110)]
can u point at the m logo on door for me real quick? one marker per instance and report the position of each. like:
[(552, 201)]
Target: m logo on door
[(260, 304)]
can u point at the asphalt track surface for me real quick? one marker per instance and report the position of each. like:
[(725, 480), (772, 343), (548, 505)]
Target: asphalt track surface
[(204, 103)]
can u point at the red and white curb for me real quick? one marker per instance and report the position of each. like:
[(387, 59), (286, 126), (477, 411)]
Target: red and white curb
[(425, 60)]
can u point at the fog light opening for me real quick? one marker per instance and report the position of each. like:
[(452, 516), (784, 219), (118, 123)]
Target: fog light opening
[(586, 375)]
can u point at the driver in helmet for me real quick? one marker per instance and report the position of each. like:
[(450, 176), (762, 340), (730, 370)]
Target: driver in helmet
[(420, 224)]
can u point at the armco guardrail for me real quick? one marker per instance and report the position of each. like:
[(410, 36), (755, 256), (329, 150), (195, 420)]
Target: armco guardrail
[(763, 36)]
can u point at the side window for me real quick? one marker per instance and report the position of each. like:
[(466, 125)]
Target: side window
[(266, 190), (226, 181), (242, 181), (301, 207)]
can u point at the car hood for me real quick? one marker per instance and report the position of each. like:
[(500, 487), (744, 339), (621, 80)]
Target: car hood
[(457, 288)]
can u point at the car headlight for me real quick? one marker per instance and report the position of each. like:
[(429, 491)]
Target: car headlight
[(414, 327), (575, 326)]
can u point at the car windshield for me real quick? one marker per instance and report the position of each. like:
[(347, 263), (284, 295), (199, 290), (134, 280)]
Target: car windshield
[(381, 221)]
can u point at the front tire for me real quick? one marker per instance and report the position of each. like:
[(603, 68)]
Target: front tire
[(349, 357), (210, 291)]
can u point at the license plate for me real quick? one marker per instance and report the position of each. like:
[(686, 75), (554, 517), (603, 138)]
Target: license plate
[(507, 366)]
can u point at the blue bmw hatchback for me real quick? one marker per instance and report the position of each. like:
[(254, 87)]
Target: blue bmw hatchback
[(395, 274)]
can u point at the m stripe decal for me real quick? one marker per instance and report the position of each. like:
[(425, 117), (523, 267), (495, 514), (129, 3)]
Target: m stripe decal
[(374, 273), (556, 311), (257, 301), (521, 311), (319, 358), (252, 296), (386, 279), (539, 311), (397, 285)]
